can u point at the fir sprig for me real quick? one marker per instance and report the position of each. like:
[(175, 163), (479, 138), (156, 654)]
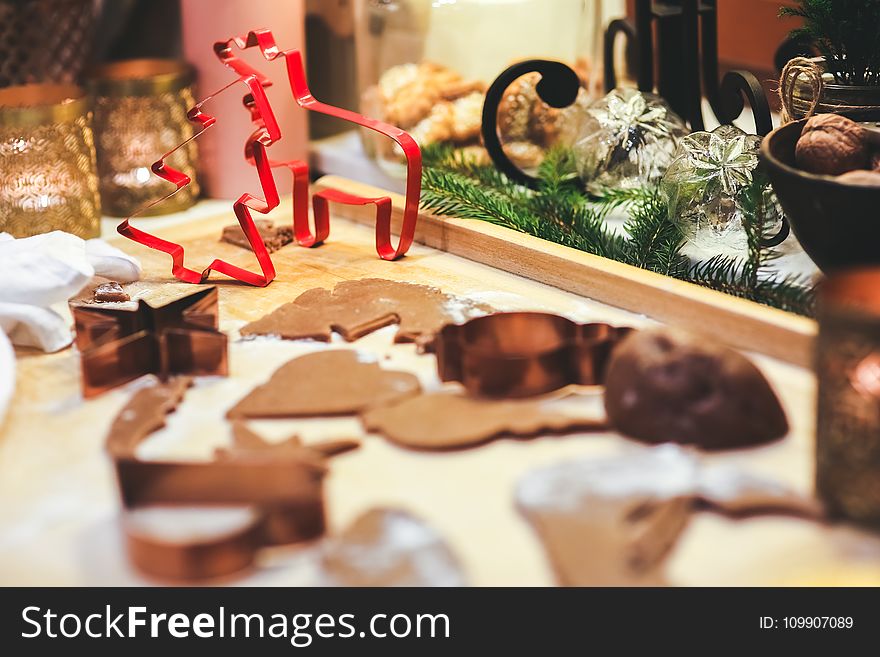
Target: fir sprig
[(846, 32), (559, 210)]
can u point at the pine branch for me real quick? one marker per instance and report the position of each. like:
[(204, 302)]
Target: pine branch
[(654, 241), (560, 211), (453, 194)]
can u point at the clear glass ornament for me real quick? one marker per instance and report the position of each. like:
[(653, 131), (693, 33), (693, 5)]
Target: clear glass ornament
[(709, 190), (626, 140)]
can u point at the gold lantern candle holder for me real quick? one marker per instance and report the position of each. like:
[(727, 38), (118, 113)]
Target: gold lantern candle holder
[(140, 114), (48, 179), (848, 419)]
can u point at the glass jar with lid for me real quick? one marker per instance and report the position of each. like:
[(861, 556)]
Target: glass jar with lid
[(424, 66)]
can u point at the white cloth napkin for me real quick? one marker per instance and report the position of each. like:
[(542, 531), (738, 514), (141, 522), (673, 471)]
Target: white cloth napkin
[(39, 272)]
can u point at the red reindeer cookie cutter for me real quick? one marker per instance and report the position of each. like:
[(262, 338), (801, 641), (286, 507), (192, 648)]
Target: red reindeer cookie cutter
[(268, 132), (264, 40)]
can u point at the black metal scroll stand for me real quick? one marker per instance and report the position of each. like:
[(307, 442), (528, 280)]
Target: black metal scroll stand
[(681, 24), (558, 87)]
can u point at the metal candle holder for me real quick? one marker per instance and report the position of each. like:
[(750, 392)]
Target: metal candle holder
[(141, 113), (681, 27), (848, 371), (47, 161)]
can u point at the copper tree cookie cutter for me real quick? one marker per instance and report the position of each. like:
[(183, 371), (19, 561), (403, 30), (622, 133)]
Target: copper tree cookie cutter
[(275, 492), (520, 354), (119, 345)]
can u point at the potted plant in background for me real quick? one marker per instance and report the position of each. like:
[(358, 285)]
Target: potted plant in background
[(846, 75)]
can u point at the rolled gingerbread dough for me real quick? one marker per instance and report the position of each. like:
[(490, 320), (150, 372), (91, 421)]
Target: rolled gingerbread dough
[(335, 382), (355, 308), (451, 420)]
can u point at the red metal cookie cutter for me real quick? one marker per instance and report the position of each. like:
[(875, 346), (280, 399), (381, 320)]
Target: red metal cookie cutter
[(268, 132)]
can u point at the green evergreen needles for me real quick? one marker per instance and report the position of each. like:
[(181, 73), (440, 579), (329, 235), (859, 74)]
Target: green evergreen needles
[(454, 184), (846, 32)]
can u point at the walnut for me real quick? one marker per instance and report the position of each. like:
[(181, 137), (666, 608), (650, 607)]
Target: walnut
[(860, 177), (831, 144)]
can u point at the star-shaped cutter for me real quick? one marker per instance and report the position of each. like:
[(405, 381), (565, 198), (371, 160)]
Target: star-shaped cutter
[(118, 345)]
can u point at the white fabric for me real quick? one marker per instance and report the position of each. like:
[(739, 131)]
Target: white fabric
[(41, 271), (112, 263), (34, 326)]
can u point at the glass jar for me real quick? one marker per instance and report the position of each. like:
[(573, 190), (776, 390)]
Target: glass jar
[(131, 98), (424, 65), (48, 177)]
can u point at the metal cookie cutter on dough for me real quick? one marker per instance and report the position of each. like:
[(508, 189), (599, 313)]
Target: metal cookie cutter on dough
[(280, 502), (193, 520), (520, 354), (119, 345)]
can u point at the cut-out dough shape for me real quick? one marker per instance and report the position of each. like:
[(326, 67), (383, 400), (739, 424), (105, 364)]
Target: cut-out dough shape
[(388, 547), (333, 382), (355, 308), (273, 237), (613, 521), (247, 443), (144, 413), (446, 420)]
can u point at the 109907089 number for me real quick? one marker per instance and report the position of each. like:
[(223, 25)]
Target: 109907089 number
[(817, 622)]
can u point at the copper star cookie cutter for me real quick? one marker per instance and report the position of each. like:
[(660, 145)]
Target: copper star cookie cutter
[(119, 345), (521, 354)]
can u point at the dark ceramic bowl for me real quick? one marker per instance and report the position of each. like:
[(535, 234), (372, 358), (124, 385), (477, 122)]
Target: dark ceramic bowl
[(838, 224)]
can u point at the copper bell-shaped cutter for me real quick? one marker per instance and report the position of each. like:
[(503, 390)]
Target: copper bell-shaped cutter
[(119, 345), (521, 354)]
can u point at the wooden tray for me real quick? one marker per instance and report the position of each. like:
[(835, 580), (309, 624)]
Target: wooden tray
[(740, 323), (58, 500)]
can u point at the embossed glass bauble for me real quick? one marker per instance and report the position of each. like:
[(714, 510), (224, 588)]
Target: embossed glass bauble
[(626, 140), (713, 185)]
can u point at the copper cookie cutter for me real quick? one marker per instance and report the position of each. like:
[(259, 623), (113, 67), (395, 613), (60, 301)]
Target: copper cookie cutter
[(266, 494), (521, 354), (119, 345), (281, 501)]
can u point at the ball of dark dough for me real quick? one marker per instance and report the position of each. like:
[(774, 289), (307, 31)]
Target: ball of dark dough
[(668, 386)]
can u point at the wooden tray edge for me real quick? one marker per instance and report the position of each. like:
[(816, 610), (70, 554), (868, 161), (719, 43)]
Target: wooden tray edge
[(740, 323)]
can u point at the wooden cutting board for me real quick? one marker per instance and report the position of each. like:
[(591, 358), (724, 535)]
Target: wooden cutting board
[(738, 322), (58, 505)]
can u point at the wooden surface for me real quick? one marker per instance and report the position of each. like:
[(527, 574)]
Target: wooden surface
[(58, 504), (740, 323)]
